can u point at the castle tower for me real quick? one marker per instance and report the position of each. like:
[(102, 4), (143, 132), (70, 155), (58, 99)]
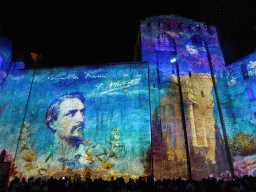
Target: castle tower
[(165, 41), (198, 101)]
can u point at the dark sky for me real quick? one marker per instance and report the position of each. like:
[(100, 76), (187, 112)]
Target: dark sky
[(67, 34)]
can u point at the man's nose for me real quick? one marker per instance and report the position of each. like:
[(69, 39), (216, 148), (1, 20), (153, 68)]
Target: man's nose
[(80, 116)]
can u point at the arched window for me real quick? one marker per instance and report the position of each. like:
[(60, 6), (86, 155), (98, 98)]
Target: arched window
[(244, 72), (166, 56), (198, 42), (199, 60), (165, 42)]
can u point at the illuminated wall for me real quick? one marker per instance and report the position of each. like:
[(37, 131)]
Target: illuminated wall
[(125, 120), (170, 40), (5, 53), (239, 103), (102, 122)]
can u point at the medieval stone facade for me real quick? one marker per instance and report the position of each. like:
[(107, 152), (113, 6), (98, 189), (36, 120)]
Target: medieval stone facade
[(198, 102)]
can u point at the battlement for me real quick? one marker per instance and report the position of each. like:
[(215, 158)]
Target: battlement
[(177, 23), (201, 76), (194, 76)]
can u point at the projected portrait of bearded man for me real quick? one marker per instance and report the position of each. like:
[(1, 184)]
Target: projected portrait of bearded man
[(65, 119)]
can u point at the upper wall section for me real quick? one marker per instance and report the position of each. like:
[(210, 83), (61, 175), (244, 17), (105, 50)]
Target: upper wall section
[(5, 53), (5, 59), (243, 71), (189, 38)]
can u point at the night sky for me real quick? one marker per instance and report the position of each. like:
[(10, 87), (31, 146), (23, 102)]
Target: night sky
[(67, 34)]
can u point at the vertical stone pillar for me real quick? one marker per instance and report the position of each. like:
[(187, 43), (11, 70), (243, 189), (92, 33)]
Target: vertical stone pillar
[(163, 123), (170, 132), (210, 134), (168, 124), (192, 125), (204, 129), (199, 125), (178, 134)]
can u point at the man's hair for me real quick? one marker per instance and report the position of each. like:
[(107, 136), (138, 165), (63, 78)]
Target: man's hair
[(53, 109)]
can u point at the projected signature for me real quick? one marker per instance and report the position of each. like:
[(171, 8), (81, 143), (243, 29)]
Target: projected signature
[(117, 85), (87, 76)]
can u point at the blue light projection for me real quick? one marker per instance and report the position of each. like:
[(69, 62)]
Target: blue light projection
[(184, 41), (93, 117), (125, 120)]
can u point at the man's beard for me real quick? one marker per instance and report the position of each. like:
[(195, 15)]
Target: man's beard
[(76, 140)]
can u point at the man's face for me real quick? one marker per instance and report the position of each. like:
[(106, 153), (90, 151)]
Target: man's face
[(70, 120)]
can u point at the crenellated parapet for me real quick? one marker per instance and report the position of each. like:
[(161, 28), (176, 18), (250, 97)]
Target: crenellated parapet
[(176, 24)]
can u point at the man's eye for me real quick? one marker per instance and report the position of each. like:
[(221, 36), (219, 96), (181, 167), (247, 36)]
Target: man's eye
[(82, 111), (72, 113)]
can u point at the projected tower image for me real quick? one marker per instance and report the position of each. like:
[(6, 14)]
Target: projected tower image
[(198, 100), (168, 40), (171, 39)]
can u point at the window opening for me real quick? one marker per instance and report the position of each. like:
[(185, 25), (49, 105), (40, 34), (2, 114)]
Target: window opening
[(202, 93), (251, 95), (244, 71)]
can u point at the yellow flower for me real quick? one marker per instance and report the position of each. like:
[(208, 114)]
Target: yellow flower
[(107, 166), (89, 156), (89, 153), (33, 153), (104, 162), (28, 158), (30, 166)]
